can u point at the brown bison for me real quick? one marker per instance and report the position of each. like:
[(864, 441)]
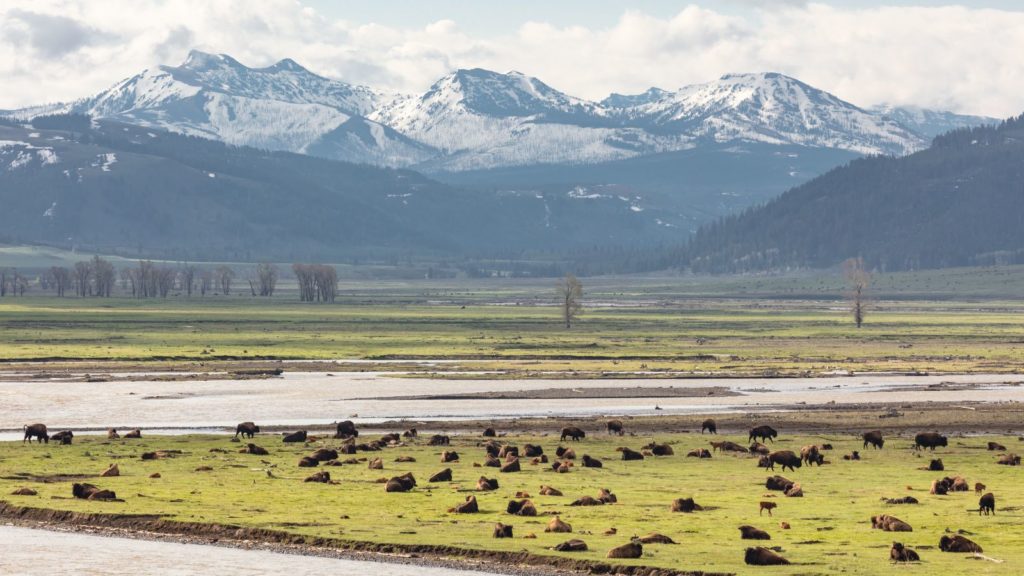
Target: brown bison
[(758, 448), (254, 450), (565, 453), (936, 465), (63, 437), (874, 438), (37, 431), (90, 492), (996, 446), (903, 500), (633, 549), (376, 464), (587, 501), (24, 492), (589, 462), (766, 505), (930, 440), (890, 524), (727, 446), (616, 427), (605, 495), (660, 449), (810, 455), (655, 538), (761, 556), (979, 487), (751, 533), (449, 456), (556, 525), (699, 453), (502, 530), (486, 484), (323, 477), (492, 462), (531, 451), (795, 491), (490, 433), (134, 434), (572, 432), (442, 476), (512, 466), (405, 459), (765, 433), (710, 426), (307, 462), (294, 437), (468, 507), (410, 433), (852, 456), (508, 450), (521, 508), (900, 553), (685, 505), (112, 434), (778, 483), (1009, 460), (784, 458), (574, 545), (346, 429), (987, 504), (549, 491), (958, 544), (403, 483), (246, 429), (629, 454), (439, 440), (324, 454)]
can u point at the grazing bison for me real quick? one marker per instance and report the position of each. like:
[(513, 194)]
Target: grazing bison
[(439, 440), (890, 524), (765, 433), (531, 451), (778, 483), (810, 455), (254, 450), (874, 438), (936, 465), (490, 433), (761, 556), (629, 454), (710, 426), (502, 531), (615, 427), (64, 437), (751, 533), (299, 436), (442, 476), (346, 429), (631, 550), (246, 429), (996, 446), (134, 434), (900, 553), (784, 458), (322, 476), (766, 505), (958, 544), (521, 508), (573, 432), (903, 500), (324, 454), (549, 491), (1009, 460), (685, 505), (449, 456), (655, 538), (37, 431), (565, 453), (574, 545), (930, 440), (90, 492), (511, 466), (589, 462), (556, 525), (699, 453), (987, 504), (468, 507), (486, 484), (403, 483)]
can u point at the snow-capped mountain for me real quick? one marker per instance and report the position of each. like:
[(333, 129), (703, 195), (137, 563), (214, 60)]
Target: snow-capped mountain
[(479, 119), (930, 123)]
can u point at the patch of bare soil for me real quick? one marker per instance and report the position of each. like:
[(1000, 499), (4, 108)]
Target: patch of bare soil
[(576, 393)]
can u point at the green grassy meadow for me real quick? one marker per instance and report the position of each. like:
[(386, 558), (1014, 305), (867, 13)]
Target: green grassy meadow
[(831, 532)]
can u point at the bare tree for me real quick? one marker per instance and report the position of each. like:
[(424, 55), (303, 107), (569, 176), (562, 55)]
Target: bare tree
[(265, 281), (224, 276), (128, 281), (205, 281), (187, 278), (60, 277), (103, 276), (317, 282), (570, 295), (83, 279), (858, 279)]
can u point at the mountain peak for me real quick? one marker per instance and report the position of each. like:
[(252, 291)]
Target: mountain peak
[(289, 65), (198, 60), (616, 100)]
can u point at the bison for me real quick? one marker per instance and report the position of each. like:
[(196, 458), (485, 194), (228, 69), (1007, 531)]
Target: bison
[(778, 483), (784, 458), (987, 504), (685, 505), (727, 446), (765, 433), (661, 449), (486, 484), (532, 451), (307, 462), (549, 491), (565, 453), (699, 453), (346, 429), (903, 500), (572, 432), (511, 466), (502, 531), (490, 433), (324, 454), (589, 462), (323, 477), (710, 426), (439, 440), (90, 492), (890, 524), (574, 545), (766, 505), (996, 446), (615, 427), (936, 465), (135, 434), (654, 538), (521, 508), (299, 436), (587, 501), (810, 455), (751, 533), (1009, 460), (403, 483), (246, 429), (958, 544), (449, 456), (930, 440), (37, 431), (468, 507), (760, 556), (758, 448), (556, 525), (254, 450), (874, 438), (900, 553), (629, 454), (410, 433), (63, 437), (633, 549)]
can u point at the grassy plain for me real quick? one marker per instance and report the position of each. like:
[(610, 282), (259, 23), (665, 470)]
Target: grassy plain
[(831, 532)]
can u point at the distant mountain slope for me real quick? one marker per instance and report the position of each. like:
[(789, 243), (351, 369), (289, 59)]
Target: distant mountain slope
[(116, 187), (931, 123), (959, 202)]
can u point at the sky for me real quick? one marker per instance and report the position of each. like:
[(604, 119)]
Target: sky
[(963, 57)]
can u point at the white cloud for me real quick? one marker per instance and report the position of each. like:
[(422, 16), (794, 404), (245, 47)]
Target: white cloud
[(947, 57)]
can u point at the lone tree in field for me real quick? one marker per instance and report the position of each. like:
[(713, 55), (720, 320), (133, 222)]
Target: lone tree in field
[(570, 294), (858, 279)]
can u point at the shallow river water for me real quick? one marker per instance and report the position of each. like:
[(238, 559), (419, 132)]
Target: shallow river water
[(31, 552)]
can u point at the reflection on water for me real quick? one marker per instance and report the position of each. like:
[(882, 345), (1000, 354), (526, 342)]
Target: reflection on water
[(316, 398), (29, 552)]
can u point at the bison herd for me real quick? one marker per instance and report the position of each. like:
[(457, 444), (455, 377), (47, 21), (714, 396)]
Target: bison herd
[(507, 458)]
